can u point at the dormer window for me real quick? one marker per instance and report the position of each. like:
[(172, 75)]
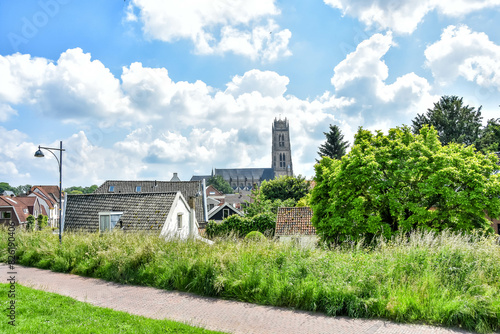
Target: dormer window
[(111, 189), (108, 220), (138, 189)]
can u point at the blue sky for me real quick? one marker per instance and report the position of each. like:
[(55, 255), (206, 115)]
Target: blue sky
[(140, 89)]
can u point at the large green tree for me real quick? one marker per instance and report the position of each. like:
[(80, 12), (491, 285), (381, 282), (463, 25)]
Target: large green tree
[(220, 184), (402, 181), (334, 146), (454, 121), (490, 137), (284, 191), (285, 187)]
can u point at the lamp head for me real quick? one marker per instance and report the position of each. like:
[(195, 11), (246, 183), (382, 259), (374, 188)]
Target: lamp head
[(39, 153)]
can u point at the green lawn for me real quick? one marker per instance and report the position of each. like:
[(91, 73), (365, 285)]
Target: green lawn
[(43, 312)]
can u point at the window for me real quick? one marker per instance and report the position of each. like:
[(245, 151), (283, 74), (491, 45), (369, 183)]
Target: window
[(25, 210), (212, 193), (225, 213), (6, 215), (179, 220), (111, 189), (108, 220), (138, 189)]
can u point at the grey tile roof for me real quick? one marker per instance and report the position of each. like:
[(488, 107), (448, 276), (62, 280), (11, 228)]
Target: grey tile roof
[(294, 221), (141, 212), (200, 177), (258, 174), (187, 188)]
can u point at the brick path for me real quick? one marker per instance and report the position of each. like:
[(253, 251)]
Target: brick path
[(210, 313)]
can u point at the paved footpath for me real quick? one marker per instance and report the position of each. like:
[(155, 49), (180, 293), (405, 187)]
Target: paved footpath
[(210, 313)]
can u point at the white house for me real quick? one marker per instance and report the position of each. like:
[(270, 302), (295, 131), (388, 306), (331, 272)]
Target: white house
[(168, 215)]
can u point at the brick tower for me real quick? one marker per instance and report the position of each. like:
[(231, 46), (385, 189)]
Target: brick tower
[(281, 150)]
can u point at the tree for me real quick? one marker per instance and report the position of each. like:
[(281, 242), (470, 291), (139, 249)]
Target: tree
[(20, 190), (5, 186), (285, 187), (76, 190), (401, 182), (490, 137), (334, 147), (220, 184), (284, 191), (453, 121)]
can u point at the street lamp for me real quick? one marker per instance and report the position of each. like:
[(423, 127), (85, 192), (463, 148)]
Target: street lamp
[(39, 154)]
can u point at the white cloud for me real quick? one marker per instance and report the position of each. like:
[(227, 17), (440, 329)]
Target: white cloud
[(6, 112), (190, 127), (72, 88), (362, 76), (404, 16), (461, 52), (267, 83), (217, 26)]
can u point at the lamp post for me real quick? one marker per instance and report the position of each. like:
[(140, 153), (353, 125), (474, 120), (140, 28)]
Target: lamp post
[(39, 154)]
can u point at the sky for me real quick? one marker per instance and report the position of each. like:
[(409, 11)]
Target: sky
[(140, 89)]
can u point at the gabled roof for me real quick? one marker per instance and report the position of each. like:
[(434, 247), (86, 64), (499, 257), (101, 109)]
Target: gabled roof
[(141, 211), (49, 193), (7, 193), (187, 188), (294, 221), (211, 189), (17, 205), (216, 209)]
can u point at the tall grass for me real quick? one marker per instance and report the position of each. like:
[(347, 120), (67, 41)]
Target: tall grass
[(441, 279)]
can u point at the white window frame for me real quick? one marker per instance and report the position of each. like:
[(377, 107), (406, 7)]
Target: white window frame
[(138, 189), (110, 221), (179, 221), (225, 213), (111, 189), (4, 214)]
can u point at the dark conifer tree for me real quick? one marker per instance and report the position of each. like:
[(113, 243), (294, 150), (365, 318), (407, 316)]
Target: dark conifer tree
[(334, 147)]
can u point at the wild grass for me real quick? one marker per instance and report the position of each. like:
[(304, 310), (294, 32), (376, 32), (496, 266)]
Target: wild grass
[(43, 312), (442, 279)]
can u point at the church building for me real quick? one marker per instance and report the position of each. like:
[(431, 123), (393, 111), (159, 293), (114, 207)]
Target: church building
[(281, 165)]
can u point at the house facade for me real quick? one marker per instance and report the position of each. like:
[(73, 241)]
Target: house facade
[(48, 197), (188, 189), (222, 212), (168, 215), (17, 209)]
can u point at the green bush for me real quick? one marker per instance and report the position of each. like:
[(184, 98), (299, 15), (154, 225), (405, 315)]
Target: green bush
[(241, 226), (255, 236)]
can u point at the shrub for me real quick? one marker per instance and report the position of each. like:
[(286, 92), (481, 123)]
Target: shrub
[(264, 223), (255, 236)]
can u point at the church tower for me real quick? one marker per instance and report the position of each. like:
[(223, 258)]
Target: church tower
[(281, 150)]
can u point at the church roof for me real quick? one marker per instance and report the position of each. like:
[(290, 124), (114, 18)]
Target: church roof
[(246, 174)]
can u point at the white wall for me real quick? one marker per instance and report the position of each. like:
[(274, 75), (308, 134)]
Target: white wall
[(170, 230), (306, 241)]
